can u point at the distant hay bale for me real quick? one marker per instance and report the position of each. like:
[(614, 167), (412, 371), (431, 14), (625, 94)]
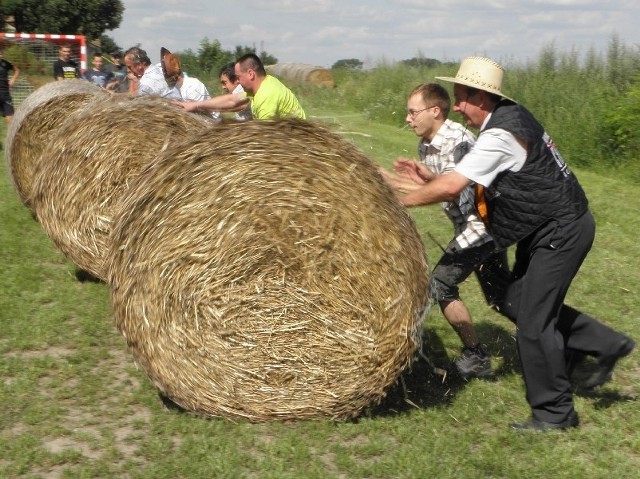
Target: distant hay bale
[(36, 121), (85, 172), (300, 73), (264, 271)]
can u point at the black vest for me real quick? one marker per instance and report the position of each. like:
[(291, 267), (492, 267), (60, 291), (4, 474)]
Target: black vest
[(544, 189)]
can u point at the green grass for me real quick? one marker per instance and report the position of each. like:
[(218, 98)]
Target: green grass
[(75, 406)]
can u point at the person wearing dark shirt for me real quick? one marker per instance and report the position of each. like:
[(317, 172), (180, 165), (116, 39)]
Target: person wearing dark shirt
[(99, 75), (64, 68), (119, 71), (6, 103)]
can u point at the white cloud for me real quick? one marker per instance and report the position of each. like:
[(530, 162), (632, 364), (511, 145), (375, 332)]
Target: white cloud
[(324, 31)]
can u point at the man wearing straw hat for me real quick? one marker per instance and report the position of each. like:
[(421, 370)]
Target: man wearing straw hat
[(534, 201)]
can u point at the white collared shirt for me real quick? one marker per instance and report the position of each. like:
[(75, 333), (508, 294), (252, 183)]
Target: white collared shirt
[(496, 150), (152, 82)]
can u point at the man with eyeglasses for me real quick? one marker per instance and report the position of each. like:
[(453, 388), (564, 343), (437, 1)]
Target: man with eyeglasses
[(535, 202), (442, 144)]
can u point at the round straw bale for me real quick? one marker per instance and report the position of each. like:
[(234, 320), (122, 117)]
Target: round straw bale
[(36, 121), (265, 271), (301, 72), (85, 172)]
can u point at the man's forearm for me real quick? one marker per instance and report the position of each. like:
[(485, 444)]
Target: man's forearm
[(442, 188), (229, 102)]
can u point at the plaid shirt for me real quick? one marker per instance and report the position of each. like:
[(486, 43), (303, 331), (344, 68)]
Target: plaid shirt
[(448, 146)]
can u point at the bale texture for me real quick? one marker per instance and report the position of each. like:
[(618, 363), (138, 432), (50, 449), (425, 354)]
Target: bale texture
[(300, 73), (85, 172), (36, 121), (264, 271)]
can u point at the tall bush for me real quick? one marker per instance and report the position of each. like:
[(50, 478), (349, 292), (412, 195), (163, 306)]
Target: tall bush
[(620, 137), (26, 61), (589, 105)]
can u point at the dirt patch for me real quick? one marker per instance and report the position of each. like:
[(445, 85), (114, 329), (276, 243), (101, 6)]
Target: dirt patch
[(59, 445), (53, 352)]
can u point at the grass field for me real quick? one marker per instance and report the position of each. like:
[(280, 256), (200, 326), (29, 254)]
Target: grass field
[(75, 406)]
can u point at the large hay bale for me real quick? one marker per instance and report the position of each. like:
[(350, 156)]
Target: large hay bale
[(85, 173), (36, 121), (301, 72), (264, 271)]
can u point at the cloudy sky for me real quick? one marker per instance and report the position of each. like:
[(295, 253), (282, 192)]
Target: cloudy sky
[(320, 32)]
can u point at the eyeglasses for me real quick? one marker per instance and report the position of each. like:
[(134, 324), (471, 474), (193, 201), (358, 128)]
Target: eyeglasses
[(414, 113)]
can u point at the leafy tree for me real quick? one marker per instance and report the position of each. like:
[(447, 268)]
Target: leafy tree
[(266, 58), (189, 62), (421, 62), (348, 64), (211, 55), (84, 17), (108, 45)]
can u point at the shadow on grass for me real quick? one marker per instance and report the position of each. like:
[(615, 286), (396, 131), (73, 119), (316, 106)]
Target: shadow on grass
[(433, 380), (168, 403), (603, 397), (86, 277)]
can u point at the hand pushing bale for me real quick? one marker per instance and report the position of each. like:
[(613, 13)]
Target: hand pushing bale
[(264, 271), (37, 121), (86, 171)]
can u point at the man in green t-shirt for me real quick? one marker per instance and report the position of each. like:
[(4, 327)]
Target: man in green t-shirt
[(269, 98)]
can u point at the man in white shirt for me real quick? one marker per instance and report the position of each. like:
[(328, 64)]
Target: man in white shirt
[(535, 202), (150, 77)]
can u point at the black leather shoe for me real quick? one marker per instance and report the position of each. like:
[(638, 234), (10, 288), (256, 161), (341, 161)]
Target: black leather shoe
[(607, 363), (536, 425)]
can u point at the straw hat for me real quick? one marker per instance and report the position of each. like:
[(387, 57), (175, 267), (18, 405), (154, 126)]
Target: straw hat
[(481, 73)]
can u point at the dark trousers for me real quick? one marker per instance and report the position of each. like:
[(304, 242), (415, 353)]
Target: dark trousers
[(546, 262)]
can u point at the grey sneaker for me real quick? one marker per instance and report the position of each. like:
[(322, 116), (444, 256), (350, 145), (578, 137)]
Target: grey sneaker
[(474, 363)]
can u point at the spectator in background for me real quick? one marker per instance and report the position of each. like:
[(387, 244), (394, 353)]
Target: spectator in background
[(150, 77), (6, 102), (99, 75), (119, 71), (231, 84), (64, 68), (191, 89), (269, 98)]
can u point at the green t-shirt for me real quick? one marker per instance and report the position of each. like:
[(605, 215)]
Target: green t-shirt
[(274, 100)]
